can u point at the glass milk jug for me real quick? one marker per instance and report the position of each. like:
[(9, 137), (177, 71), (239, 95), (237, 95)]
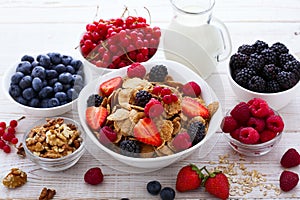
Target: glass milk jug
[(195, 38)]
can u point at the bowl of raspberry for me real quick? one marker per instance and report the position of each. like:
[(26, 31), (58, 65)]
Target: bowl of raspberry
[(111, 44), (252, 128), (47, 84), (260, 70)]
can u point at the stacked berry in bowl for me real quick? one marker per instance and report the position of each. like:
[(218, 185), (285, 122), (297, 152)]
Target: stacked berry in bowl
[(252, 128), (115, 43), (268, 72)]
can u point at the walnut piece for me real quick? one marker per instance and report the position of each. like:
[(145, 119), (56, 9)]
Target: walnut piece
[(21, 151), (16, 178), (47, 194)]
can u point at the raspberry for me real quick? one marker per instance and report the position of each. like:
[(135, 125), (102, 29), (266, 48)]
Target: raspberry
[(241, 113), (228, 124), (191, 89), (256, 101), (249, 135), (267, 135), (93, 176), (182, 141), (236, 133), (136, 70), (288, 180), (291, 158), (153, 108), (107, 135), (275, 123), (256, 123), (259, 110)]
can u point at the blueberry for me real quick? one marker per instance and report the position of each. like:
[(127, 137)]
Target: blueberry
[(34, 64), (61, 96), (25, 67), (37, 84), (60, 68), (77, 79), (53, 102), (66, 59), (58, 87), (44, 103), (39, 71), (51, 73), (34, 102), (15, 79), (27, 58), (154, 187), (67, 87), (78, 88), (28, 93), (52, 81), (55, 58), (65, 78), (70, 69), (80, 73), (21, 100), (167, 193), (72, 94), (63, 102), (14, 90), (44, 60), (77, 64), (45, 92), (25, 82)]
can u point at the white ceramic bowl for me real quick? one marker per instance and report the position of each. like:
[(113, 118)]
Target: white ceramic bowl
[(43, 112), (181, 74), (276, 100)]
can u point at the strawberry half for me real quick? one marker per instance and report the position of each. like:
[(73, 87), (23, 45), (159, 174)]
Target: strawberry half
[(146, 131), (192, 108), (107, 87), (95, 117)]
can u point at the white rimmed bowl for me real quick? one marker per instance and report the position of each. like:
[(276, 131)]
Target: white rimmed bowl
[(181, 74)]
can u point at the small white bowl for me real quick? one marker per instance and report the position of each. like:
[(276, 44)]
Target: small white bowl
[(43, 112), (276, 100), (181, 74), (56, 164)]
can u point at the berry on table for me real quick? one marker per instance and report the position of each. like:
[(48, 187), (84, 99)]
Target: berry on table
[(291, 158), (167, 193), (154, 187), (288, 180), (189, 178), (93, 176), (6, 149)]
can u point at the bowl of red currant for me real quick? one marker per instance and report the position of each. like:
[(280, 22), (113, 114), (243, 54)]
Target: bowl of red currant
[(115, 43), (252, 128)]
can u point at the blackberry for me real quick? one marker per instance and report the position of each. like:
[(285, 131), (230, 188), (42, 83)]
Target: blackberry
[(130, 148), (158, 73), (196, 130), (257, 84), (270, 72), (292, 66), (272, 86), (242, 78), (279, 48), (287, 80), (246, 49), (284, 58), (256, 62), (94, 100), (270, 56), (142, 97), (260, 46), (238, 61)]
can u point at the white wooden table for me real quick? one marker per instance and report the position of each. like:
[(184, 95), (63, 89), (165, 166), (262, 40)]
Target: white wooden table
[(31, 27)]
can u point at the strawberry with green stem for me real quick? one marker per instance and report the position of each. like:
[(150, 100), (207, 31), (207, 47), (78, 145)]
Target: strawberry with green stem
[(189, 178)]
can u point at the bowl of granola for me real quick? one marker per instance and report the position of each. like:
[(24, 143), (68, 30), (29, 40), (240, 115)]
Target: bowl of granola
[(55, 143), (149, 115)]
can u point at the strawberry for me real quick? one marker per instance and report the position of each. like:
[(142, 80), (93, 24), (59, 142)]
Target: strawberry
[(188, 178), (192, 108), (217, 184), (288, 180), (136, 70), (146, 131), (95, 117), (191, 89), (291, 158), (107, 87)]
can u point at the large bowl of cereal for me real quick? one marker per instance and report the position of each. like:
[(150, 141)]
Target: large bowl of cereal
[(149, 115)]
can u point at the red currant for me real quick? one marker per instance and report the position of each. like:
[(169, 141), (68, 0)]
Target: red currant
[(156, 90), (13, 123), (2, 131), (8, 136), (167, 99), (174, 97), (2, 144), (3, 125), (6, 149), (11, 130), (14, 140), (165, 91)]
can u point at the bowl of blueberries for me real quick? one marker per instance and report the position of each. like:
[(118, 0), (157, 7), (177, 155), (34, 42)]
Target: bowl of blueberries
[(46, 84)]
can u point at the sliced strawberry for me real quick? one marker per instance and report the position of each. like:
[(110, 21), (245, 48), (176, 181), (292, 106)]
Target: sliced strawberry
[(95, 117), (192, 108), (107, 87), (145, 131)]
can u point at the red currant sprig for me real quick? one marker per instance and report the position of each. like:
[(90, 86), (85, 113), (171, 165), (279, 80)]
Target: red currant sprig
[(165, 93)]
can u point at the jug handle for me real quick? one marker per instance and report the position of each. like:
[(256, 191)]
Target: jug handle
[(225, 37)]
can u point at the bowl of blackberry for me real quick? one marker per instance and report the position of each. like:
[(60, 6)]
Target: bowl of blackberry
[(270, 72), (46, 84)]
